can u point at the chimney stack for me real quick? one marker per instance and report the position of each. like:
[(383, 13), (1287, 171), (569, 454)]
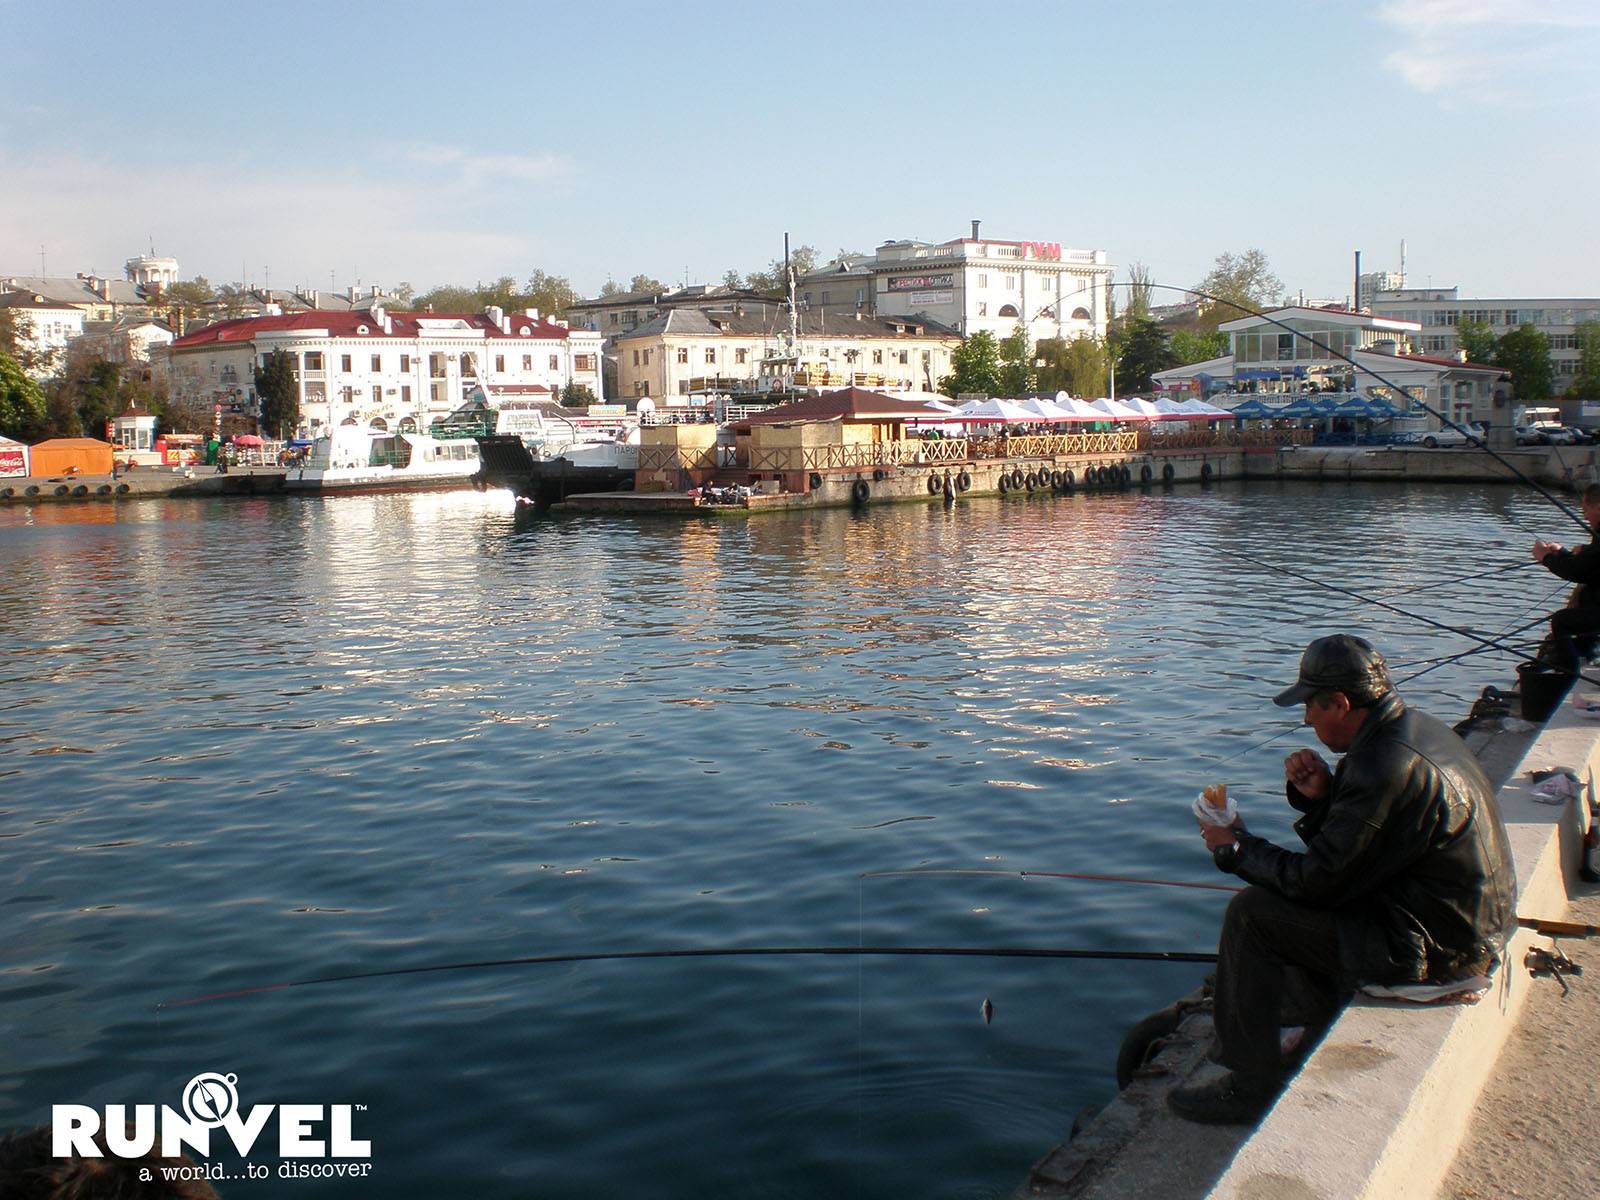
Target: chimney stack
[(975, 231)]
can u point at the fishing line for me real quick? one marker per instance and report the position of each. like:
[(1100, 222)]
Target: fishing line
[(1390, 594), (1417, 401), (1170, 956)]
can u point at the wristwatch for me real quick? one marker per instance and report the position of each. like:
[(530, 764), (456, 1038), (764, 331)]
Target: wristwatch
[(1226, 857)]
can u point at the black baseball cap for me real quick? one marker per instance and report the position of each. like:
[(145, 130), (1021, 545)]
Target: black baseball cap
[(1339, 663)]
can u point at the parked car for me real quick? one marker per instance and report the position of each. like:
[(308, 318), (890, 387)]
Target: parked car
[(1533, 435), (1562, 435), (1449, 436)]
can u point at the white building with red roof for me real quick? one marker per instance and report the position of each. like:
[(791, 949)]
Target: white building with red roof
[(385, 370)]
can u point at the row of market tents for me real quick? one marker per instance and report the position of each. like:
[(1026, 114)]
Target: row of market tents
[(57, 456)]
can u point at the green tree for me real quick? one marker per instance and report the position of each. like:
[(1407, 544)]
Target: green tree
[(402, 294), (772, 281), (22, 406), (646, 283), (1141, 284), (975, 367), (86, 393), (1191, 347), (577, 395), (1077, 367), (279, 392), (16, 341), (1478, 340), (1238, 284), (1525, 352), (186, 298), (1141, 351), (1017, 377), (1586, 383), (552, 295)]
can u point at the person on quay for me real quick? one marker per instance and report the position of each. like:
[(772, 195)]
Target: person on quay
[(1406, 878), (1574, 629)]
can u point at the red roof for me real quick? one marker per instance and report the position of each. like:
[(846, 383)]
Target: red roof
[(848, 404), (1434, 360), (349, 325)]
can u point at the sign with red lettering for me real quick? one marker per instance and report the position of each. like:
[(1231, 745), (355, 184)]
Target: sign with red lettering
[(1046, 250), (13, 460)]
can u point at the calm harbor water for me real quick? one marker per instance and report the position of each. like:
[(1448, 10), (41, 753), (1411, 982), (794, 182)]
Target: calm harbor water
[(255, 741)]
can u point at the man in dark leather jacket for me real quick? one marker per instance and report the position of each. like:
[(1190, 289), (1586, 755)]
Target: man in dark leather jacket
[(1406, 876), (1574, 628)]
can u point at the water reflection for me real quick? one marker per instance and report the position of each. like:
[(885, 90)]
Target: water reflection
[(328, 735)]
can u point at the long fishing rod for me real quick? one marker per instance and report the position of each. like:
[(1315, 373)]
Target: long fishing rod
[(1417, 401), (1177, 883), (1344, 591), (1171, 956), (1434, 584)]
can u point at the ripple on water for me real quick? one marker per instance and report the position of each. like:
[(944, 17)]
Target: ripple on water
[(430, 732)]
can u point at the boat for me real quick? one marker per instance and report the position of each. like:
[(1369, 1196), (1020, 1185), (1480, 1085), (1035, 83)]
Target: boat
[(354, 458), (547, 471)]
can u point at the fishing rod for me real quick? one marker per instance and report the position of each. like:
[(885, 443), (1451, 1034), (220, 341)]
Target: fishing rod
[(1491, 643), (1168, 956), (1442, 583), (1177, 883), (1417, 401)]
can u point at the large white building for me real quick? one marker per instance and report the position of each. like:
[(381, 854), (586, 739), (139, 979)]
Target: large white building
[(385, 370), (1438, 311), (974, 284), (43, 329)]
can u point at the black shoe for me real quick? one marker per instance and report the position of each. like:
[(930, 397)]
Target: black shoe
[(1230, 1099)]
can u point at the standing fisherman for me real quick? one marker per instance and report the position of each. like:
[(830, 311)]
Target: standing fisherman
[(1406, 876), (1574, 628)]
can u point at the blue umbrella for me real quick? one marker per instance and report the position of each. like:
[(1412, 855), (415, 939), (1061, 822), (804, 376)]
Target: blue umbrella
[(1254, 408), (1303, 406), (1354, 406)]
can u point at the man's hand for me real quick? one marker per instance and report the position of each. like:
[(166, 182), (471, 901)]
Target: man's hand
[(1543, 549), (1219, 835), (1308, 773)]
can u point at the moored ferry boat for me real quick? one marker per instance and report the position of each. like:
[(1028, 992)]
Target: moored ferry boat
[(355, 458)]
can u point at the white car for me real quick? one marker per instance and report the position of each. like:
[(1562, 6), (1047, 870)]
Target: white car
[(1449, 436)]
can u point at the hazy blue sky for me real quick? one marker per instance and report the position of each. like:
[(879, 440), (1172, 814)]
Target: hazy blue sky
[(456, 142)]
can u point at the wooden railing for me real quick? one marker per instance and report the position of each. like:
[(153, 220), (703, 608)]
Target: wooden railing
[(677, 458)]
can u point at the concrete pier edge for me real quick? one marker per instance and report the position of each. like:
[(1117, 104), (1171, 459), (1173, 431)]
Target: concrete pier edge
[(1381, 1107)]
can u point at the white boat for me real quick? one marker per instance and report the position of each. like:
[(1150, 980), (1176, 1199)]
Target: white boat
[(355, 458)]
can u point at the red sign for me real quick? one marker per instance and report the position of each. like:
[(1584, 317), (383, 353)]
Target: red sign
[(1050, 250), (13, 461)]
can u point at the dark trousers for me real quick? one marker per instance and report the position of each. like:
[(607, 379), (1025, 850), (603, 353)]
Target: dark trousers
[(1278, 964), (1572, 632)]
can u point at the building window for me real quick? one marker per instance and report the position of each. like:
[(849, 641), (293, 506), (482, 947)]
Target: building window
[(499, 364), (582, 362), (904, 358), (377, 363), (344, 363), (527, 362), (711, 354), (1008, 310), (377, 394), (741, 355), (313, 360), (555, 360), (405, 364), (636, 358), (683, 354), (405, 393), (1011, 283), (877, 358), (647, 358), (983, 281), (983, 308), (614, 320)]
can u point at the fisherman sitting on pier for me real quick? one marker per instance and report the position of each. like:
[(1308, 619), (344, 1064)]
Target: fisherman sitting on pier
[(1574, 629), (1406, 878)]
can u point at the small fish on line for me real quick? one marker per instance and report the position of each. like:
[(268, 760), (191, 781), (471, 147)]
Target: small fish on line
[(987, 1009)]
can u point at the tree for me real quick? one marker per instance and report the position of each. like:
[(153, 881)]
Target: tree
[(1140, 286), (1142, 350), (402, 294), (187, 298), (645, 283), (1239, 284), (975, 367), (552, 295), (1478, 340), (577, 395), (85, 395), (22, 407), (1077, 367), (1586, 383), (279, 392), (1016, 363), (802, 260), (1190, 347), (1525, 352), (16, 342)]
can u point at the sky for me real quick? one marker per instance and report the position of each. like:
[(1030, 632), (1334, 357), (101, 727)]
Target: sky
[(327, 144)]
